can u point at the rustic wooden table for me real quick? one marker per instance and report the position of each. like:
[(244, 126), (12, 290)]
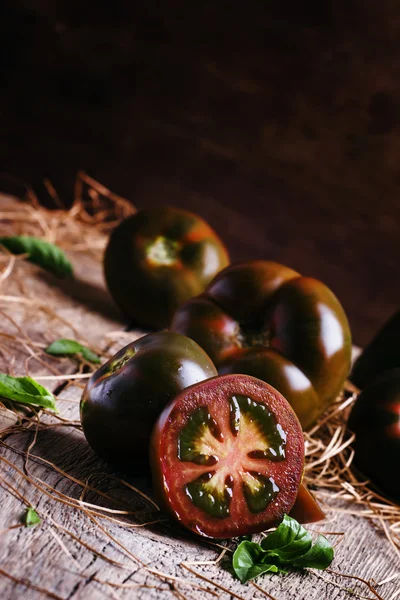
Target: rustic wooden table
[(88, 544)]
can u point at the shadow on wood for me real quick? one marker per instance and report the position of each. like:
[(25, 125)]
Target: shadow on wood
[(92, 296), (70, 452)]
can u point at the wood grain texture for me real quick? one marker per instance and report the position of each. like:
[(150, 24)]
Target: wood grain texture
[(40, 554), (37, 308), (51, 307)]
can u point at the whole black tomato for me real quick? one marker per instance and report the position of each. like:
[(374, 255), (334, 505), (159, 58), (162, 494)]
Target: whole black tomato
[(375, 419), (265, 320), (159, 258), (227, 458), (124, 397), (381, 354)]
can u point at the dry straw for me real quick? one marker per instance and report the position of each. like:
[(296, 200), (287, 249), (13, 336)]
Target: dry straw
[(82, 228)]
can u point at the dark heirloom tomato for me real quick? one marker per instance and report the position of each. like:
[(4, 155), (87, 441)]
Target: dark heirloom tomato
[(265, 320), (375, 419), (380, 355), (124, 397), (159, 258), (227, 456)]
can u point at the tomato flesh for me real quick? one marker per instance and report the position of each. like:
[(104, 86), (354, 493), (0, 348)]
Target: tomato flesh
[(227, 456), (253, 433)]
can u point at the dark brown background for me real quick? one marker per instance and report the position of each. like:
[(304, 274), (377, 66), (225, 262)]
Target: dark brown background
[(278, 122)]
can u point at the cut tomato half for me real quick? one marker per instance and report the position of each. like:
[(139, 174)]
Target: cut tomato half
[(227, 457)]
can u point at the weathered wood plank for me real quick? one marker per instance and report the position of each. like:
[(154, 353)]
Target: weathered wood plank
[(363, 550), (37, 306)]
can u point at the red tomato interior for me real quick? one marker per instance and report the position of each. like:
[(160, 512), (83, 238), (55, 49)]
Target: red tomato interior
[(231, 456)]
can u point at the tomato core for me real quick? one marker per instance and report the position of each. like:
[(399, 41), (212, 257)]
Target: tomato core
[(252, 438), (119, 363), (162, 252), (254, 334)]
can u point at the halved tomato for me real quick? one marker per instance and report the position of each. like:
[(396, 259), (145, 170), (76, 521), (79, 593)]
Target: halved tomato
[(227, 457)]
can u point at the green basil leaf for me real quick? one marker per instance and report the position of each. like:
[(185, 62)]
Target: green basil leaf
[(247, 562), (246, 557), (289, 541), (41, 253), (64, 347), (259, 569), (288, 547), (31, 518), (26, 390), (319, 556), (89, 355)]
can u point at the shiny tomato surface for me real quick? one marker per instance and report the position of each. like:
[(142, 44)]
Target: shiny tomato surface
[(159, 258), (375, 419), (124, 397), (380, 355), (266, 320), (227, 457)]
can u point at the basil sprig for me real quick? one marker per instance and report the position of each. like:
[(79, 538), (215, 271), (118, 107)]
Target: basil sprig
[(41, 253), (289, 547), (26, 390), (64, 347)]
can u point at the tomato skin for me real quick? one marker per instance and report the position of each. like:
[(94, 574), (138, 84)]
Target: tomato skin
[(118, 409), (375, 419), (212, 328), (381, 354), (166, 466), (244, 289), (271, 366), (310, 328), (267, 306), (159, 258)]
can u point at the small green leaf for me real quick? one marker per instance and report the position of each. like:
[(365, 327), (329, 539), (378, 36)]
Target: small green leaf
[(64, 347), (26, 390), (288, 541), (247, 561), (319, 556), (289, 547), (31, 518), (41, 253), (89, 355)]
